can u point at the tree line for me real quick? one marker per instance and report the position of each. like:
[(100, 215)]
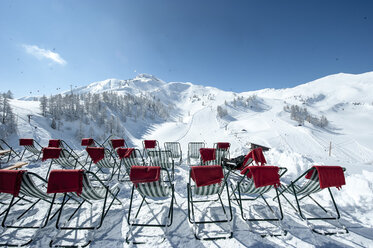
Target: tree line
[(7, 117), (108, 111)]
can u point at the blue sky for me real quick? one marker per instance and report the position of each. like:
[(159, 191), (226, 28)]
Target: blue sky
[(46, 46)]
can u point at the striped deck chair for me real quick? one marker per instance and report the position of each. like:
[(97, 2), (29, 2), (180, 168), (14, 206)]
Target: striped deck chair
[(11, 154), (149, 145), (218, 158), (247, 191), (311, 186), (115, 143), (62, 157), (31, 146), (89, 142), (193, 151), (224, 146), (31, 192), (59, 143), (175, 149), (155, 191), (128, 158), (164, 160), (106, 160), (92, 190), (201, 192)]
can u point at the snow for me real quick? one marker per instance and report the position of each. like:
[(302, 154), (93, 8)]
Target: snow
[(345, 100)]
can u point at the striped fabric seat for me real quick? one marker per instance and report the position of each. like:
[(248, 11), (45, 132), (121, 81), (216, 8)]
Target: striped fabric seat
[(208, 190), (108, 161), (89, 192), (136, 158), (175, 149), (158, 192), (146, 150), (32, 149), (28, 188), (193, 149), (247, 185), (219, 155), (154, 189), (193, 152), (66, 159), (161, 158), (310, 186)]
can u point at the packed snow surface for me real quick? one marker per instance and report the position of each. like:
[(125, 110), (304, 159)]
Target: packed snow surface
[(345, 100)]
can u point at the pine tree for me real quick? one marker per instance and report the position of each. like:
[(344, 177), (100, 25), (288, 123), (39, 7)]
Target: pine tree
[(44, 105)]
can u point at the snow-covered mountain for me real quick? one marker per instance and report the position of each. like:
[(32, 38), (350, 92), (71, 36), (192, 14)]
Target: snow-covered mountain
[(264, 117)]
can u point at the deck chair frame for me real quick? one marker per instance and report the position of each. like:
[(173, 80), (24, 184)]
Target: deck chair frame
[(71, 161), (208, 191), (193, 151), (311, 186), (256, 193), (226, 150), (164, 160), (219, 157), (95, 144), (176, 151), (89, 194), (146, 151), (33, 149), (154, 190), (136, 158), (30, 190), (108, 162)]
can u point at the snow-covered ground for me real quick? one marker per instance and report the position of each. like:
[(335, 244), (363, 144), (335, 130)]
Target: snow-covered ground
[(345, 100)]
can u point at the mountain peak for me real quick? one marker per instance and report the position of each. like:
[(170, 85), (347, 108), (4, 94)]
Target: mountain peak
[(147, 77)]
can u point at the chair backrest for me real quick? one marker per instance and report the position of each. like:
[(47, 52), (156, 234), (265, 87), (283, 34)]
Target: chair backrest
[(193, 149), (312, 185), (161, 158), (247, 185), (116, 143), (29, 145), (222, 145), (219, 155), (175, 149), (135, 158), (213, 188), (106, 161), (67, 159), (89, 142), (29, 188), (158, 189), (90, 192)]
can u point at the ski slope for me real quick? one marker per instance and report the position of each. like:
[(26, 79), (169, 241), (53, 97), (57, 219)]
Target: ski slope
[(344, 99)]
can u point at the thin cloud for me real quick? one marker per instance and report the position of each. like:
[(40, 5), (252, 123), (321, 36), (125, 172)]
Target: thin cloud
[(41, 53)]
